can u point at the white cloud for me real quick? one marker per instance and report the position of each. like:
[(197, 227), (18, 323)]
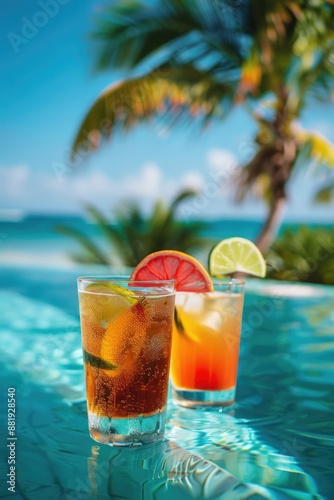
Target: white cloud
[(147, 183), (223, 167), (23, 188), (221, 159), (13, 178), (65, 190), (62, 190), (192, 180), (83, 187)]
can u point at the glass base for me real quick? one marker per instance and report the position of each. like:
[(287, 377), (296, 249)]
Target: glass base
[(198, 399), (134, 431)]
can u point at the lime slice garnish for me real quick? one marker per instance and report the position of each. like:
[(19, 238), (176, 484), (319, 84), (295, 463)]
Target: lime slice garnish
[(236, 255), (106, 288)]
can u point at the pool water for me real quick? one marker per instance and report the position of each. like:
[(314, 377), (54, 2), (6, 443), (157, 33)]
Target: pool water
[(276, 442)]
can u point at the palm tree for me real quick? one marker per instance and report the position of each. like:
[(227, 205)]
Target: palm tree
[(195, 59), (132, 235)]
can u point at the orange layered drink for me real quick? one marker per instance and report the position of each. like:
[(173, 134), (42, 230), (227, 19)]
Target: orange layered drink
[(126, 336), (205, 349), (207, 327), (207, 317)]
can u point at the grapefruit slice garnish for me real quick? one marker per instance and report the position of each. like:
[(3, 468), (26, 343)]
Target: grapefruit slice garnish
[(188, 273)]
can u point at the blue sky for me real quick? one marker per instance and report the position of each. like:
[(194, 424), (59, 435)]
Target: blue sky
[(49, 83)]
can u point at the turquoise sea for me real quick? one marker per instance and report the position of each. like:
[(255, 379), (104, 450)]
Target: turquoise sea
[(276, 443), (33, 240)]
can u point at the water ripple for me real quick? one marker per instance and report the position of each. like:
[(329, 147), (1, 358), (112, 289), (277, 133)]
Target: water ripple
[(278, 436)]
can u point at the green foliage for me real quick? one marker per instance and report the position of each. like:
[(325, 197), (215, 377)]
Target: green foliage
[(193, 60), (305, 254), (133, 236)]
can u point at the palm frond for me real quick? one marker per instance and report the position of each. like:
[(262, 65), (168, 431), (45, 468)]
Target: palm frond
[(132, 32), (133, 235), (130, 226), (325, 194), (184, 195), (204, 55), (112, 232), (178, 94), (92, 253), (320, 148), (100, 220)]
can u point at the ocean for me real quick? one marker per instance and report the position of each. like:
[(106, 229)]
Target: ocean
[(278, 435), (33, 241)]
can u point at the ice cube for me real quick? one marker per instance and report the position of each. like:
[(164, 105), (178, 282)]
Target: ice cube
[(194, 303), (180, 299), (213, 320)]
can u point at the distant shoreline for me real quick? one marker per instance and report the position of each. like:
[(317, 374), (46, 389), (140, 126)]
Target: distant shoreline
[(33, 240), (18, 215)]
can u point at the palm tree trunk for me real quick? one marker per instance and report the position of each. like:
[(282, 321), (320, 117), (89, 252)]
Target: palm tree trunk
[(275, 159), (268, 232)]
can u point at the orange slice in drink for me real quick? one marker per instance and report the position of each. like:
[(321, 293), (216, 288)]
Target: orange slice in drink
[(92, 334), (189, 274), (123, 340)]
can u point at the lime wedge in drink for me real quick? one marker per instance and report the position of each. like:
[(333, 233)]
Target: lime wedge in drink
[(97, 362), (101, 302), (185, 327), (236, 255)]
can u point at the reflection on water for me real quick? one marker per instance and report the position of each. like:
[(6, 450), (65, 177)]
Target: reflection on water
[(162, 471), (276, 442), (42, 343), (234, 445), (288, 362)]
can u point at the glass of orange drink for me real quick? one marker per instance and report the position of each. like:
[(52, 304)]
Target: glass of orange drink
[(205, 349), (126, 330), (207, 317), (207, 324)]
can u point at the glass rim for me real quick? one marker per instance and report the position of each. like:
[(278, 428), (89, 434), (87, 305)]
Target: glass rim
[(228, 281), (126, 279), (231, 283), (172, 281)]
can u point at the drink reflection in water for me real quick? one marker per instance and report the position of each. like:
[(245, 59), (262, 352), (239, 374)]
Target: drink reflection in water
[(161, 471)]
